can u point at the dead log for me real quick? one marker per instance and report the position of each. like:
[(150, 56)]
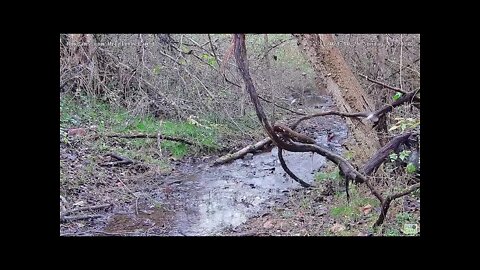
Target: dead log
[(372, 165), (242, 152)]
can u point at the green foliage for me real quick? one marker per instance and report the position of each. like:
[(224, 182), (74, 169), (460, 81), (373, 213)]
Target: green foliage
[(393, 157), (409, 229), (404, 217), (351, 211), (157, 69), (397, 96), (407, 223), (411, 168), (349, 155), (393, 232), (210, 59), (405, 123), (322, 176), (404, 154)]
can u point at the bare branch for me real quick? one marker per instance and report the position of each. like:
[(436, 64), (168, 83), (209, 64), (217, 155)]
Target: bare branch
[(281, 107), (389, 199), (163, 137), (274, 46), (290, 173), (73, 218), (213, 49)]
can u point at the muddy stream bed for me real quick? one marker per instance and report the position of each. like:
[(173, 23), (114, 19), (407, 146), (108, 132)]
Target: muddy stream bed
[(200, 200)]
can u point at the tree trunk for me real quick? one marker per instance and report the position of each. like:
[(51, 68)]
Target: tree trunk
[(342, 85)]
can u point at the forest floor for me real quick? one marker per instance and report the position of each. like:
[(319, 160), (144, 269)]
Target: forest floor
[(172, 189)]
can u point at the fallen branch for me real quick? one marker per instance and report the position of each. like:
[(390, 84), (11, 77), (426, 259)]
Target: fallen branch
[(86, 208), (73, 218), (242, 152), (372, 165), (163, 137), (120, 161), (101, 232)]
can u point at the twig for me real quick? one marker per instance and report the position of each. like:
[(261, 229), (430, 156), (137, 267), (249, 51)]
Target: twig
[(87, 208), (170, 57), (274, 46), (407, 67), (389, 199), (213, 49), (281, 107), (72, 218), (100, 232), (383, 84), (136, 205), (121, 161)]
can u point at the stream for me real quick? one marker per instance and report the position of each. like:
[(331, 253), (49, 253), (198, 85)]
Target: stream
[(200, 200)]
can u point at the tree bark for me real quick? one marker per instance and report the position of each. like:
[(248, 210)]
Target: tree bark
[(341, 84)]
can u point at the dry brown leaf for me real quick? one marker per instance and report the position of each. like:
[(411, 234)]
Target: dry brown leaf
[(337, 228), (366, 209)]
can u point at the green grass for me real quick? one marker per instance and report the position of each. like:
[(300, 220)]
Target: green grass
[(323, 176), (404, 217), (85, 112), (351, 211)]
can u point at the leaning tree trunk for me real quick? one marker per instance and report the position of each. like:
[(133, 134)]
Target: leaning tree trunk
[(341, 84)]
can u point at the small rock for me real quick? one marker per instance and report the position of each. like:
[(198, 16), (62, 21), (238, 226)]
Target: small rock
[(76, 132), (248, 156), (268, 224)]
